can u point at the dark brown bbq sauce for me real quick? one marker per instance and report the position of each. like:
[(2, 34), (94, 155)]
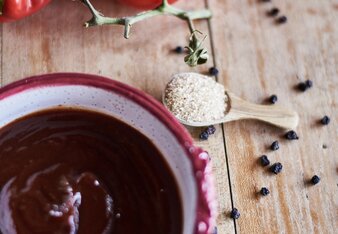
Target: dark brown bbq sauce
[(75, 171)]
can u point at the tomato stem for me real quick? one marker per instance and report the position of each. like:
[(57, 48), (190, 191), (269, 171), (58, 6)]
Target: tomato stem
[(197, 55), (165, 3)]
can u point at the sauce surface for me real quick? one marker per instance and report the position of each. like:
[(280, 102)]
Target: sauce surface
[(75, 171)]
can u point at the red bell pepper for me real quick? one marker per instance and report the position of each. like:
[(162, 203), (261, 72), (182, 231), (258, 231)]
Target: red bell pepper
[(16, 9)]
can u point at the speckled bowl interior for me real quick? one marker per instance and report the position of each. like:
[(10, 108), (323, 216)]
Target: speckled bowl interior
[(189, 164)]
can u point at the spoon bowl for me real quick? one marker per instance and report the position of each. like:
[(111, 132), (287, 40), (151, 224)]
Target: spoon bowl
[(239, 109)]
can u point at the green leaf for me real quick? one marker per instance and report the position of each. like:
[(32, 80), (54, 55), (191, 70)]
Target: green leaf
[(197, 55), (203, 56), (191, 60)]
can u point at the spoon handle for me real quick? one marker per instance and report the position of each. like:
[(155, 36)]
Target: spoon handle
[(275, 115)]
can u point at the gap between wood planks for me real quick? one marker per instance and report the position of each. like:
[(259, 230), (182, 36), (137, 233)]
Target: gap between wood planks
[(210, 32)]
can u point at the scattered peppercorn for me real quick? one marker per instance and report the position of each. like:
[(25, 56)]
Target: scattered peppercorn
[(274, 146), (325, 120), (235, 214), (179, 49), (213, 71), (276, 168), (265, 191), (211, 129), (204, 136), (265, 0), (273, 99), (309, 83), (302, 86), (315, 179), (264, 160), (273, 12), (282, 19), (291, 135)]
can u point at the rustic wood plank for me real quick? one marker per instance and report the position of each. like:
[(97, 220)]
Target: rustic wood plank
[(43, 44), (258, 58), (217, 152)]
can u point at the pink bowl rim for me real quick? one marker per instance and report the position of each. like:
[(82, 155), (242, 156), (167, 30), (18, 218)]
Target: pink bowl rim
[(199, 164)]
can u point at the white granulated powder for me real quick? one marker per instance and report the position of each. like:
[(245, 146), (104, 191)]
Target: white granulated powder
[(195, 98)]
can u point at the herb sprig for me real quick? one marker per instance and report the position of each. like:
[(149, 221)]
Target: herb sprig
[(196, 53)]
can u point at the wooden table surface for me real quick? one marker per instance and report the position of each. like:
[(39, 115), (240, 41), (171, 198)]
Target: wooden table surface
[(256, 58)]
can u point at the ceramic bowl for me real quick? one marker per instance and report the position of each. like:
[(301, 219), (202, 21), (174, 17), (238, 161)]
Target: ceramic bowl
[(189, 164)]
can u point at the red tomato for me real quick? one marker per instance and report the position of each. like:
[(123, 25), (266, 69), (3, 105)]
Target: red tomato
[(17, 9), (144, 4)]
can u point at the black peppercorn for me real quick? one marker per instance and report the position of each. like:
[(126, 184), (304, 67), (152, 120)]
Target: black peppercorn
[(179, 49), (213, 71), (265, 0), (291, 135), (204, 136), (302, 87), (265, 191), (282, 19), (276, 168), (211, 129), (309, 83), (315, 179), (325, 120), (273, 12), (275, 145), (264, 160), (273, 99), (235, 214)]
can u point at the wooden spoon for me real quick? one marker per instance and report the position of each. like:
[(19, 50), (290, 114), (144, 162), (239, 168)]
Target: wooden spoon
[(238, 109)]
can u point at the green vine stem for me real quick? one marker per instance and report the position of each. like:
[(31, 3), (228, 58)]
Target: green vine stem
[(196, 54)]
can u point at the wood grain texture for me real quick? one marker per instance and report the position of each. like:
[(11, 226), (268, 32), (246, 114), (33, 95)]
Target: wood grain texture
[(258, 58), (53, 40)]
